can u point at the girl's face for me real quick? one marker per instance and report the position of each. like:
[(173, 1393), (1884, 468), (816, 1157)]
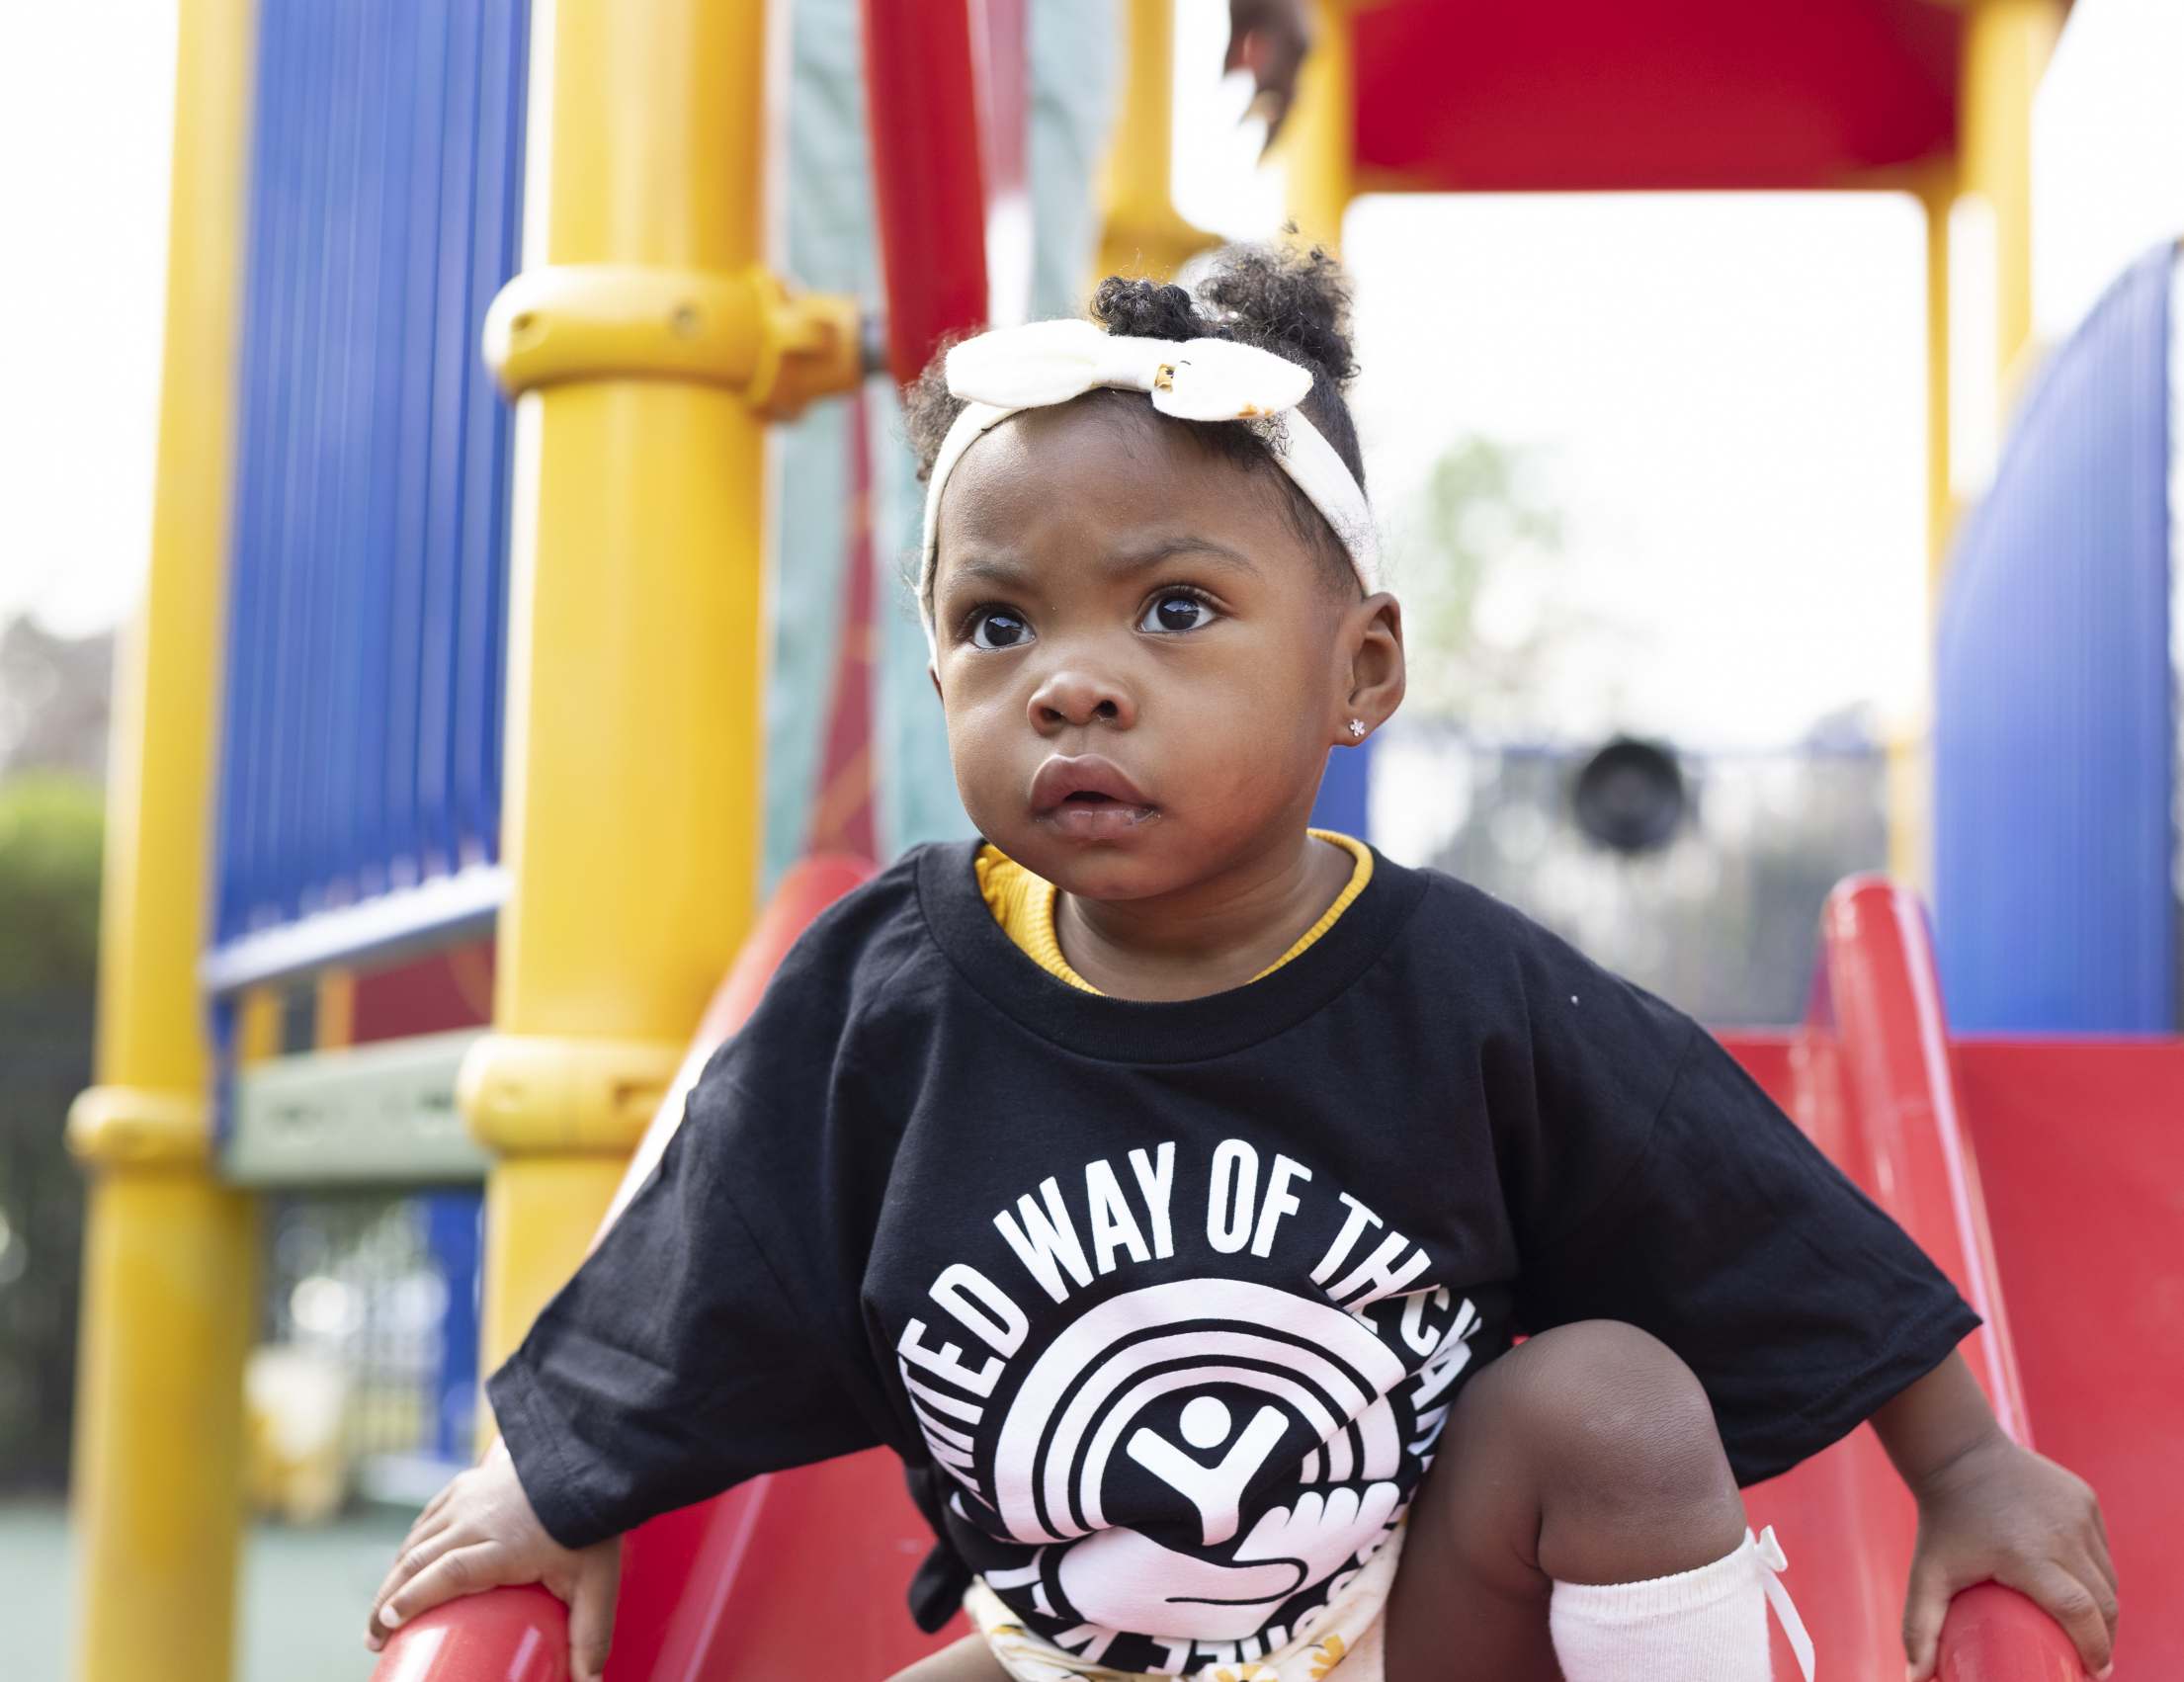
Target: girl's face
[(1141, 663)]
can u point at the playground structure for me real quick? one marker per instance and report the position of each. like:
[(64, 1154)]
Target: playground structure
[(568, 665)]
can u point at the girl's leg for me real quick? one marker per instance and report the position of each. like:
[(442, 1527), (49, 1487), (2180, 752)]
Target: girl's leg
[(967, 1661), (1585, 1455)]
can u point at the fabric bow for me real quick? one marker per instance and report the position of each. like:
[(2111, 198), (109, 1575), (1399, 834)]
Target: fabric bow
[(1193, 379), (1035, 367)]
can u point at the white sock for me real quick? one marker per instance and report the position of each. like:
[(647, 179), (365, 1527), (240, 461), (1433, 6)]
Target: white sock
[(1704, 1626)]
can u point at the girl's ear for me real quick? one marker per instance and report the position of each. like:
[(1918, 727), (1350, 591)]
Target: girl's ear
[(1372, 635), (933, 671)]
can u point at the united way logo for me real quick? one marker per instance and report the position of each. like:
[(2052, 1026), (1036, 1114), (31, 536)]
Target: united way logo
[(1213, 1389)]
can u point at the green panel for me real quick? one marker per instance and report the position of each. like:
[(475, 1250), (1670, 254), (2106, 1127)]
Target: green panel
[(376, 1113)]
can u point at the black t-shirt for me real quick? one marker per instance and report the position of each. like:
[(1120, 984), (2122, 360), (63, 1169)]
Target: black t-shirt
[(1167, 1302)]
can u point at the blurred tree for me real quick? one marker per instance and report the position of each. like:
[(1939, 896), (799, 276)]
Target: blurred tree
[(53, 693), (52, 834), (1482, 576)]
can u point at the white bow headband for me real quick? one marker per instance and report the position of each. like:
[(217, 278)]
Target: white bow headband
[(1196, 380)]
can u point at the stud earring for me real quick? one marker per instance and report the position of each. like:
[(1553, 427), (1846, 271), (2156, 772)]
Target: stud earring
[(1357, 729)]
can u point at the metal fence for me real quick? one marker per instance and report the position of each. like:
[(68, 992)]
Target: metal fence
[(1721, 921)]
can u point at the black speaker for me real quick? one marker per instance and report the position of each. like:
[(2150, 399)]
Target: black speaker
[(1629, 796)]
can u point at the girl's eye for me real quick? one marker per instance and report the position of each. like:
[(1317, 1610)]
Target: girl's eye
[(998, 627), (1177, 613)]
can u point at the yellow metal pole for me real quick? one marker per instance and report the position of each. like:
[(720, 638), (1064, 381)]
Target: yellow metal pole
[(1319, 141), (1937, 191), (167, 1263), (636, 658), (1909, 771), (2007, 48), (1145, 236)]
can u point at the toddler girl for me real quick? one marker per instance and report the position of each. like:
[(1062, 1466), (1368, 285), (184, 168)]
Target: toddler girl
[(1170, 1185)]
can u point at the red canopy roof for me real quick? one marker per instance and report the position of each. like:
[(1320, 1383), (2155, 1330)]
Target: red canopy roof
[(1612, 95)]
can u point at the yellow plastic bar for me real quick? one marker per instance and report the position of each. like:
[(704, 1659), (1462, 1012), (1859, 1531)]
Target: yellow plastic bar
[(1144, 237), (636, 652), (1319, 140), (167, 1265)]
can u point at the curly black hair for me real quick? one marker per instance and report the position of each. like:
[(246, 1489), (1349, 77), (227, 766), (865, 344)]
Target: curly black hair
[(1281, 298)]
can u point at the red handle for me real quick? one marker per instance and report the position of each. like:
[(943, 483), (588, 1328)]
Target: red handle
[(1995, 1635), (507, 1634)]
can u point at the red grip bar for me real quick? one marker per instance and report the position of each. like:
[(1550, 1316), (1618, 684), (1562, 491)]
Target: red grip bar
[(507, 1634), (1995, 1635)]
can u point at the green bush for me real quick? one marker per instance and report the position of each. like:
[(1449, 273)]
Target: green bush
[(50, 840), (52, 829)]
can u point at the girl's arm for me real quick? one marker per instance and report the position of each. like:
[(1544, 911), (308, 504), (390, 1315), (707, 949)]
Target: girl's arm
[(1988, 1510), (480, 1533)]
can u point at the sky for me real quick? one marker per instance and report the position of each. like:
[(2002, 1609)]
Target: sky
[(1723, 392), (86, 105)]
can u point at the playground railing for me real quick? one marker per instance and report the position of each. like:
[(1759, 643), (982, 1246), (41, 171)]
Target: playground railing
[(1871, 1079)]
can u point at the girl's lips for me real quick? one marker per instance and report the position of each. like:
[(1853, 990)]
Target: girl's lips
[(1103, 821), (1088, 798)]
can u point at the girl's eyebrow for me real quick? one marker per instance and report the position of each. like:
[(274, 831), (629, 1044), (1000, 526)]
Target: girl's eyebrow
[(1220, 554), (999, 572), (1017, 570)]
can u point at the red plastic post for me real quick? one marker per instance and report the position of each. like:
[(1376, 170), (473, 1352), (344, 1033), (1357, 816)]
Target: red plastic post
[(928, 177), (1911, 1152), (1917, 1160)]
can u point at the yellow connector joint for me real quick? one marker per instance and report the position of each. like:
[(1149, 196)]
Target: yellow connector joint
[(746, 331), (135, 1127), (525, 1094)]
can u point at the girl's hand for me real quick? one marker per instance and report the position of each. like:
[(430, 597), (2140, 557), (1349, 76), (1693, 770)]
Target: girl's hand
[(2001, 1512), (480, 1533), (1992, 1511)]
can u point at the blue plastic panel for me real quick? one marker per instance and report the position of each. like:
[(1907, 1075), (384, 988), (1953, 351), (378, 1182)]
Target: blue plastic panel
[(2053, 732), (1345, 792), (367, 594)]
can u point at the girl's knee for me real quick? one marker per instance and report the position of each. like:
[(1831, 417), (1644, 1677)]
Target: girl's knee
[(1604, 1405), (1627, 1465)]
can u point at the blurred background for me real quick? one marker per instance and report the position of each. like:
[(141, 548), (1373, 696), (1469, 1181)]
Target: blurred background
[(1652, 474)]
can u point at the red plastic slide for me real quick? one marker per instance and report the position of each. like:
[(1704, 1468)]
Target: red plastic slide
[(1869, 1079), (733, 1590), (2046, 1176)]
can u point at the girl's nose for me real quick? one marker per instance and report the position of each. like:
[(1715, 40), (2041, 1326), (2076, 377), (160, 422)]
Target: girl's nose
[(1072, 699)]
